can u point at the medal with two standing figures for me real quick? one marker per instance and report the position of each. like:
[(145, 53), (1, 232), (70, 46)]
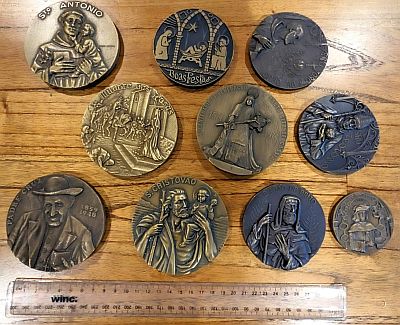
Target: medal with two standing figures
[(129, 129), (241, 129), (179, 225), (55, 222), (288, 50), (193, 48), (284, 226), (71, 44), (362, 222), (338, 134)]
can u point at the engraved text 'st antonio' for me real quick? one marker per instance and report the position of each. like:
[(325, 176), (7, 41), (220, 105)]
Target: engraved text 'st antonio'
[(71, 44)]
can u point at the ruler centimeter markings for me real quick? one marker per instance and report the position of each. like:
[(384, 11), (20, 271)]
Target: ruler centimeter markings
[(41, 297)]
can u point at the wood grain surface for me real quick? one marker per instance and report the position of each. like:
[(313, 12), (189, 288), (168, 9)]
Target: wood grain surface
[(40, 134)]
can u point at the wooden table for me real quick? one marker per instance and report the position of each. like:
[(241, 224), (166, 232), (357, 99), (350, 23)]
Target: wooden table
[(40, 134)]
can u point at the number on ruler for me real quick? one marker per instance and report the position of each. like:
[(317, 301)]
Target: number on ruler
[(245, 300)]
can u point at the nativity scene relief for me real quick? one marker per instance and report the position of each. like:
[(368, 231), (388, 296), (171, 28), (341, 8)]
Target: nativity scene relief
[(193, 47)]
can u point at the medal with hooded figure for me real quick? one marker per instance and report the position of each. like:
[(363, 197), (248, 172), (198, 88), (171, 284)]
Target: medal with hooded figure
[(176, 235), (235, 143), (76, 55), (338, 134), (51, 237), (252, 134), (282, 239)]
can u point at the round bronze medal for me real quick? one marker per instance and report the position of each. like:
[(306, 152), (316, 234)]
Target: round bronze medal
[(179, 225), (241, 129), (55, 222), (129, 129), (71, 44), (362, 222)]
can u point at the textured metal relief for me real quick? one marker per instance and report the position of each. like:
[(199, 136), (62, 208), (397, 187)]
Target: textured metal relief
[(64, 46), (55, 222), (179, 225), (241, 129), (284, 226), (362, 222), (193, 47), (338, 134), (288, 50), (129, 129)]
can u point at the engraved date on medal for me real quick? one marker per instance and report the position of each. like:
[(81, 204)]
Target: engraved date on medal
[(89, 211), (189, 77)]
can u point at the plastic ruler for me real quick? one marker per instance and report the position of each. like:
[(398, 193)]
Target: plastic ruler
[(63, 298)]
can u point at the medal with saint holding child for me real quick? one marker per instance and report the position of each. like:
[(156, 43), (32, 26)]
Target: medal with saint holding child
[(71, 44), (180, 224)]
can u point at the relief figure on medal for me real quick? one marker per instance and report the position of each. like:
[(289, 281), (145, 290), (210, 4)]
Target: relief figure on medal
[(362, 223), (72, 57), (327, 132), (193, 47), (288, 50), (163, 42), (279, 240), (218, 59), (129, 131), (235, 142), (267, 35), (180, 237), (361, 232), (194, 53), (51, 238)]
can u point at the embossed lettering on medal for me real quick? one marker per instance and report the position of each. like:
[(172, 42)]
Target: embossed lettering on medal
[(55, 222), (129, 129), (193, 47), (362, 222), (71, 44), (241, 129), (179, 225)]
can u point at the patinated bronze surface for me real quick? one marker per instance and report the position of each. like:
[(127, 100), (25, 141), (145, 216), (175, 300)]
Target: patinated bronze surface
[(284, 226), (193, 47), (129, 129), (179, 225), (362, 222), (288, 50), (338, 134), (71, 44), (241, 129), (55, 222)]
